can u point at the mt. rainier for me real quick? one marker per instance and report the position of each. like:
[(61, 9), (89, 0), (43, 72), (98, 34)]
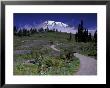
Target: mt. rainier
[(60, 26), (53, 24)]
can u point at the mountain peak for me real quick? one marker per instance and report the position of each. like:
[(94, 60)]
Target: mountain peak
[(55, 24)]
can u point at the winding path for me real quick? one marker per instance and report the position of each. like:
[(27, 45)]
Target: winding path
[(53, 47), (88, 66)]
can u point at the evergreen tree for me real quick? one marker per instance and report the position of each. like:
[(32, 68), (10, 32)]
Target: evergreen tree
[(31, 31), (47, 29), (84, 36), (95, 36), (28, 33), (70, 36), (56, 30), (24, 32), (20, 33), (76, 37), (89, 37), (41, 30), (80, 32), (15, 30)]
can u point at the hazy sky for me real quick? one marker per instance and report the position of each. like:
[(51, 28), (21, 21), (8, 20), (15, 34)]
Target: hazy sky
[(89, 19)]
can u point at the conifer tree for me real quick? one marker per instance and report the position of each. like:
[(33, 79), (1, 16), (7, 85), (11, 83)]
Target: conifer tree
[(15, 30), (76, 37), (70, 36), (89, 37), (95, 36)]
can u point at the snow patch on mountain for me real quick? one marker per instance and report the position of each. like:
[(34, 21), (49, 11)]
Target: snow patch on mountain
[(52, 25), (60, 26)]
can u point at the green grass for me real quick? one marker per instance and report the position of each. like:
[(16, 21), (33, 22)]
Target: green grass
[(88, 49), (55, 37), (48, 66)]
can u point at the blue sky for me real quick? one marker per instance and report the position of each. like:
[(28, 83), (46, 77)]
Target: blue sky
[(89, 19)]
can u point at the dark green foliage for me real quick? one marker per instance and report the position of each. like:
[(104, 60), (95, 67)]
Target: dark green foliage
[(56, 30), (33, 31), (15, 30), (92, 53), (51, 30), (70, 36), (25, 32), (89, 37), (20, 33), (83, 36), (47, 29), (51, 42), (41, 30), (95, 36), (76, 37)]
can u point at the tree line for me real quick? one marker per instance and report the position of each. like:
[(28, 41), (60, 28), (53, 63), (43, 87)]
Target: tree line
[(25, 32)]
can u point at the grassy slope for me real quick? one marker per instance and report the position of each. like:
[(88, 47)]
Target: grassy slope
[(50, 63)]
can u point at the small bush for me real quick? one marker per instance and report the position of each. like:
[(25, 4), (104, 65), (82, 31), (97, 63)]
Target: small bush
[(92, 53)]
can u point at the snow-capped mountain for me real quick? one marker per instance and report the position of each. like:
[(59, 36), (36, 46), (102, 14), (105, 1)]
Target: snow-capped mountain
[(60, 26), (52, 25)]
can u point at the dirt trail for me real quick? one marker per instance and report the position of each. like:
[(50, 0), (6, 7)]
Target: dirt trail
[(88, 66), (53, 47)]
